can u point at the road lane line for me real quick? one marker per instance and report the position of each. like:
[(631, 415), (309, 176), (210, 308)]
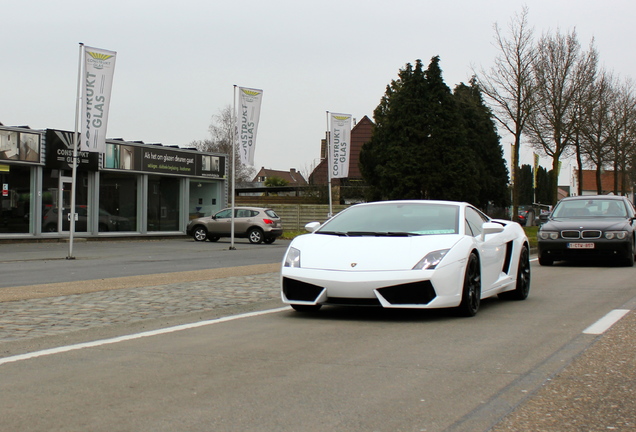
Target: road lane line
[(118, 339), (601, 326)]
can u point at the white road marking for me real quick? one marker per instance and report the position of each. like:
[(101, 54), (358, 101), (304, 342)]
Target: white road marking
[(601, 326), (167, 330)]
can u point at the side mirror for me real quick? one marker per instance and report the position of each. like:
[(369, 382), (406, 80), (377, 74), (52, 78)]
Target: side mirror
[(491, 228), (312, 226)]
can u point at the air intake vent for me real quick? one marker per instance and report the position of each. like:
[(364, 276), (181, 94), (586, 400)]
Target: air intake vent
[(412, 293), (300, 291)]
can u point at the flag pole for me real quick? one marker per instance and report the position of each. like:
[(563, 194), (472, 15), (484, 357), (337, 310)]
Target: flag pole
[(233, 170), (75, 141), (329, 168)]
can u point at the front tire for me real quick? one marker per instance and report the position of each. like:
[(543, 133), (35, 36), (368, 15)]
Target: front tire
[(471, 292), (522, 288), (255, 236), (199, 233)]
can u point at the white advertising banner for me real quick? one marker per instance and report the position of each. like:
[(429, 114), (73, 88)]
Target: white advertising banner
[(339, 145), (247, 122), (99, 66)]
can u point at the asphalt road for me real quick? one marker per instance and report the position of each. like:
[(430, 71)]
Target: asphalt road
[(342, 369), (24, 263)]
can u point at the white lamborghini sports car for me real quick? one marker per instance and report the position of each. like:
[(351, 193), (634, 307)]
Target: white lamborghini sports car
[(407, 254)]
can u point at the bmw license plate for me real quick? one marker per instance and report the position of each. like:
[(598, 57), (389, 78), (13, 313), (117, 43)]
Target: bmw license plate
[(581, 245)]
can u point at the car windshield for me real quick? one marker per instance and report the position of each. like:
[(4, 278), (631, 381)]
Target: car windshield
[(590, 208), (394, 219)]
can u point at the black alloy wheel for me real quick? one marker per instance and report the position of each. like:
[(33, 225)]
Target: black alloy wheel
[(471, 294), (522, 288)]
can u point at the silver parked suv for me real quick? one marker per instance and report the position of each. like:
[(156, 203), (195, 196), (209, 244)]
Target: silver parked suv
[(254, 223)]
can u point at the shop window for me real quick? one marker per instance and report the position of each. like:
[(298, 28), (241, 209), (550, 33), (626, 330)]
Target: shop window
[(204, 198), (15, 199), (163, 203), (117, 202)]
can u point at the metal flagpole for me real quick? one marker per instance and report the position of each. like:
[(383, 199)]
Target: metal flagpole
[(329, 167), (75, 141), (233, 169)]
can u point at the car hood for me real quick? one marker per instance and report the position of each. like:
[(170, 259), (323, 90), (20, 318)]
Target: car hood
[(605, 224), (328, 252)]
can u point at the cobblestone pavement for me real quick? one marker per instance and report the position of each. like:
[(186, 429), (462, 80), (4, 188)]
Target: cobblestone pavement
[(55, 315)]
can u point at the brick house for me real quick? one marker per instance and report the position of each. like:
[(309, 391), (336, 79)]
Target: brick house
[(293, 177), (360, 134), (607, 183)]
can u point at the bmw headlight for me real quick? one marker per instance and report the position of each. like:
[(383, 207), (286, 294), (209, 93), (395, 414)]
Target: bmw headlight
[(548, 235), (430, 261), (292, 259), (618, 235)]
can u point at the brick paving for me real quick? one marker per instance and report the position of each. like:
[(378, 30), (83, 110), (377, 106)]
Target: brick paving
[(47, 316)]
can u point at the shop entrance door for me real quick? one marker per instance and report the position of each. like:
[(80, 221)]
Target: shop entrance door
[(64, 223)]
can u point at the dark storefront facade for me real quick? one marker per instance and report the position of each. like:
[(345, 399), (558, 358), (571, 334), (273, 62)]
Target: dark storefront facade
[(133, 189)]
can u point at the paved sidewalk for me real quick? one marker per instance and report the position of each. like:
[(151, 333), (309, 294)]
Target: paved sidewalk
[(55, 315)]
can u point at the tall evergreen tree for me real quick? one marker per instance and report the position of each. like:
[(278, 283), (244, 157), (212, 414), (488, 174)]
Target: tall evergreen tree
[(526, 189), (418, 148), (545, 181), (483, 139)]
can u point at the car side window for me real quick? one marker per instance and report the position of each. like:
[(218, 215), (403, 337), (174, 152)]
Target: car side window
[(475, 220), (469, 231), (631, 211), (224, 214)]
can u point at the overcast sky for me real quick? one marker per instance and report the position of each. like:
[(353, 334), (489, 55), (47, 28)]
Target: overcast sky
[(177, 61)]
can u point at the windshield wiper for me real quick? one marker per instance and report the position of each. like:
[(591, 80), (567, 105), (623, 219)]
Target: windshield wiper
[(336, 233), (401, 234)]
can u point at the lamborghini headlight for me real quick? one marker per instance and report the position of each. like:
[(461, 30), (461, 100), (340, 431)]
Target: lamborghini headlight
[(430, 261), (292, 258), (619, 235)]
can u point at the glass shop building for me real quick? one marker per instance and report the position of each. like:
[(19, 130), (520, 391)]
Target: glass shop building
[(131, 190)]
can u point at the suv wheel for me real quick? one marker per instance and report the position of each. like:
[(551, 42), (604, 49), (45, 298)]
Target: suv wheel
[(255, 235), (199, 233)]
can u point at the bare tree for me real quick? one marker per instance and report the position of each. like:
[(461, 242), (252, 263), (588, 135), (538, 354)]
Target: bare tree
[(596, 125), (221, 129), (509, 85), (563, 73), (623, 133)]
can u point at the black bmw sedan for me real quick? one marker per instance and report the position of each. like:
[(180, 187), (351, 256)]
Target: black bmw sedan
[(589, 227)]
